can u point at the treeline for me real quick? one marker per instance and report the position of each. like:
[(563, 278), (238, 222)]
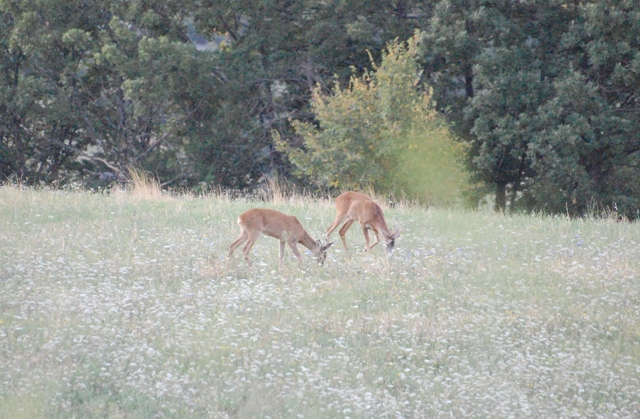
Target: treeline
[(538, 98)]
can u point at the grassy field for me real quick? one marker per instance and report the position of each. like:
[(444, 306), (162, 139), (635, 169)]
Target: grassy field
[(126, 306)]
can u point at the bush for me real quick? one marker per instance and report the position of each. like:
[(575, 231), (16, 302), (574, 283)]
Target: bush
[(382, 131)]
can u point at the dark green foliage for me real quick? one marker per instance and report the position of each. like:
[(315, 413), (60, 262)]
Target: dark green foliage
[(276, 52), (91, 88), (545, 93), (94, 87)]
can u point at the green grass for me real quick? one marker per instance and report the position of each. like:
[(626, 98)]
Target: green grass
[(123, 305)]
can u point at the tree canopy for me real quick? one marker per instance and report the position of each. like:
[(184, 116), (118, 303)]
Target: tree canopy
[(381, 132), (543, 94), (546, 94)]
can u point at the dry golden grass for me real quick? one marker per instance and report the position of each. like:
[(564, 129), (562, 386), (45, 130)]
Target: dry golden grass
[(143, 185)]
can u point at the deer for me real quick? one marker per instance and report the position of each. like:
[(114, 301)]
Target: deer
[(285, 228), (354, 206)]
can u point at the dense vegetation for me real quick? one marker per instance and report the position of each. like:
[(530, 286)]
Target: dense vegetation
[(542, 95)]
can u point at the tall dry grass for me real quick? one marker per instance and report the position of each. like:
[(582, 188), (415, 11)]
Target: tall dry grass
[(143, 185)]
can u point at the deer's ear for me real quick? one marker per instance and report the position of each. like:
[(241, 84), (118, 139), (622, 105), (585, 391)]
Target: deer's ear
[(328, 245), (396, 233)]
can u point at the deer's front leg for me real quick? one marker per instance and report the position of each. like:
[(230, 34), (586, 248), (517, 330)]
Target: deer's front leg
[(365, 232), (377, 238), (294, 247), (281, 254)]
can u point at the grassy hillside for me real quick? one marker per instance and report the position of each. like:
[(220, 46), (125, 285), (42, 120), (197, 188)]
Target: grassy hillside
[(125, 306)]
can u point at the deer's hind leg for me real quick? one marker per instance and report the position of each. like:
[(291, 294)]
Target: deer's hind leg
[(343, 232), (335, 224), (241, 239), (253, 236)]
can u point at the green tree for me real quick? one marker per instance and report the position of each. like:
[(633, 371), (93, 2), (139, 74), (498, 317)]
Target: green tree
[(545, 91), (381, 131), (276, 52), (93, 87), (587, 153), (37, 127), (492, 66)]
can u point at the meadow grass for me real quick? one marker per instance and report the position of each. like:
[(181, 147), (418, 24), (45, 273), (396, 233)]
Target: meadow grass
[(125, 305)]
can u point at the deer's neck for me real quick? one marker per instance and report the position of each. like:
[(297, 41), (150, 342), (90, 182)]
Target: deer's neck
[(381, 226), (308, 242), (377, 220)]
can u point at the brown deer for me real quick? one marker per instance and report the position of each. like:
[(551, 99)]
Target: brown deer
[(354, 206), (283, 227)]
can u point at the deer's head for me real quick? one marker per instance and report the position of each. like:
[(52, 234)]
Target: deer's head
[(390, 239), (321, 253)]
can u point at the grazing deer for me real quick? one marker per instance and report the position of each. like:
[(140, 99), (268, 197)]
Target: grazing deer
[(354, 206), (283, 227)]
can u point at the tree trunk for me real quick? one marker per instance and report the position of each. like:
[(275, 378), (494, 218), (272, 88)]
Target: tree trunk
[(501, 197), (468, 67), (516, 182), (468, 80)]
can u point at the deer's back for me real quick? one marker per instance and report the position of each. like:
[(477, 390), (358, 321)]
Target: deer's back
[(347, 199), (366, 212), (270, 222)]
